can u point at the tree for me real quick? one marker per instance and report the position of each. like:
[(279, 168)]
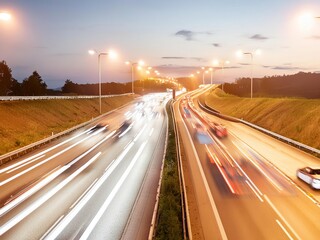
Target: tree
[(16, 88), (34, 85), (69, 87), (5, 78)]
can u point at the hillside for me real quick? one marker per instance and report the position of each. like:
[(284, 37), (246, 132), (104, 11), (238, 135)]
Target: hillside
[(25, 122), (298, 119), (299, 85)]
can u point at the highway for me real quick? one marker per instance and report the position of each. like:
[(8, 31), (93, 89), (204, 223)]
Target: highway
[(244, 184), (99, 182)]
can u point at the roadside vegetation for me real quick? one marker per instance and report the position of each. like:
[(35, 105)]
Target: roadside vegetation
[(25, 122), (295, 118), (169, 223)]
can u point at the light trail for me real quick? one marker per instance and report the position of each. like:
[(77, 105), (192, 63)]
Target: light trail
[(23, 214), (71, 215), (41, 153), (114, 191)]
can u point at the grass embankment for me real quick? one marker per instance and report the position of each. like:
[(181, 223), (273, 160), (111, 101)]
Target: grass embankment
[(25, 122), (295, 118), (169, 224)]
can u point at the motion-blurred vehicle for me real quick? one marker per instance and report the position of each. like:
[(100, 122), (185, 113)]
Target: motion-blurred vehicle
[(310, 175), (219, 130), (124, 128), (98, 126), (202, 135), (187, 113)]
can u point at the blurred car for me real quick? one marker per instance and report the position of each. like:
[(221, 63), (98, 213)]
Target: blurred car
[(124, 128), (99, 126), (202, 135), (219, 130), (310, 175), (187, 113)]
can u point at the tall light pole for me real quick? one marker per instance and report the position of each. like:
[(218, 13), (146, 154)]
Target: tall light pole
[(139, 63), (211, 73), (251, 57), (221, 63), (110, 54)]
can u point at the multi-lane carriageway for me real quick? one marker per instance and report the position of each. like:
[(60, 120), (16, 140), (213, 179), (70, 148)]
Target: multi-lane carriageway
[(96, 183), (244, 185)]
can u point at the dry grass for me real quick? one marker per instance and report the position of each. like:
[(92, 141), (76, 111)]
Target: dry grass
[(298, 119), (25, 122)]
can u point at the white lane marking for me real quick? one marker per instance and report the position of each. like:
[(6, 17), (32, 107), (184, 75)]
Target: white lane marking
[(63, 224), (253, 190), (55, 223), (209, 194), (114, 191), (33, 190), (151, 132), (282, 218), (23, 214), (283, 229), (40, 153), (22, 165), (88, 188), (46, 160), (139, 134)]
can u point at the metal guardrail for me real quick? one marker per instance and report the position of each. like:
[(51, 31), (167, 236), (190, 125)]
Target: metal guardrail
[(270, 133), (28, 98)]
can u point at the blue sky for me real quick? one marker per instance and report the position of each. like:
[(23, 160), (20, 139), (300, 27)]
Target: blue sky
[(176, 37)]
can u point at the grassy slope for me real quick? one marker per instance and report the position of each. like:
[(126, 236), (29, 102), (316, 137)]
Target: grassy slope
[(298, 119), (25, 122)]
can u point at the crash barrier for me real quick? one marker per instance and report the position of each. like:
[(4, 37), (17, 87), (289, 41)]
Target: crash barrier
[(294, 143), (28, 98)]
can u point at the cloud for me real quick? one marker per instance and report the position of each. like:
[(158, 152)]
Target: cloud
[(216, 44), (186, 58), (258, 37), (315, 37), (286, 68), (174, 58), (190, 35)]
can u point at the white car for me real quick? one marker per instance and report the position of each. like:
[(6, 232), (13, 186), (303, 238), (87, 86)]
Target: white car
[(310, 175)]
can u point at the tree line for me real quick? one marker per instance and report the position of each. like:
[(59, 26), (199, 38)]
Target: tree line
[(34, 85), (305, 85), (30, 86)]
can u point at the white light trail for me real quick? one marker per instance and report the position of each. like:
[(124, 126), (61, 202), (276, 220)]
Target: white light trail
[(23, 214), (71, 215), (40, 153), (114, 191)]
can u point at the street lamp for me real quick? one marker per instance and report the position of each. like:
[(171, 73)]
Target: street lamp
[(111, 54), (139, 63), (257, 52), (217, 63), (4, 16), (211, 73)]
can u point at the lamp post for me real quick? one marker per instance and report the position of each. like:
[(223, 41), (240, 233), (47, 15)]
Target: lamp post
[(211, 73), (110, 54), (251, 57), (217, 63), (139, 63)]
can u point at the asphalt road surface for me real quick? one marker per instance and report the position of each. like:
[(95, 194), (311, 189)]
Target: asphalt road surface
[(93, 184), (245, 182)]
